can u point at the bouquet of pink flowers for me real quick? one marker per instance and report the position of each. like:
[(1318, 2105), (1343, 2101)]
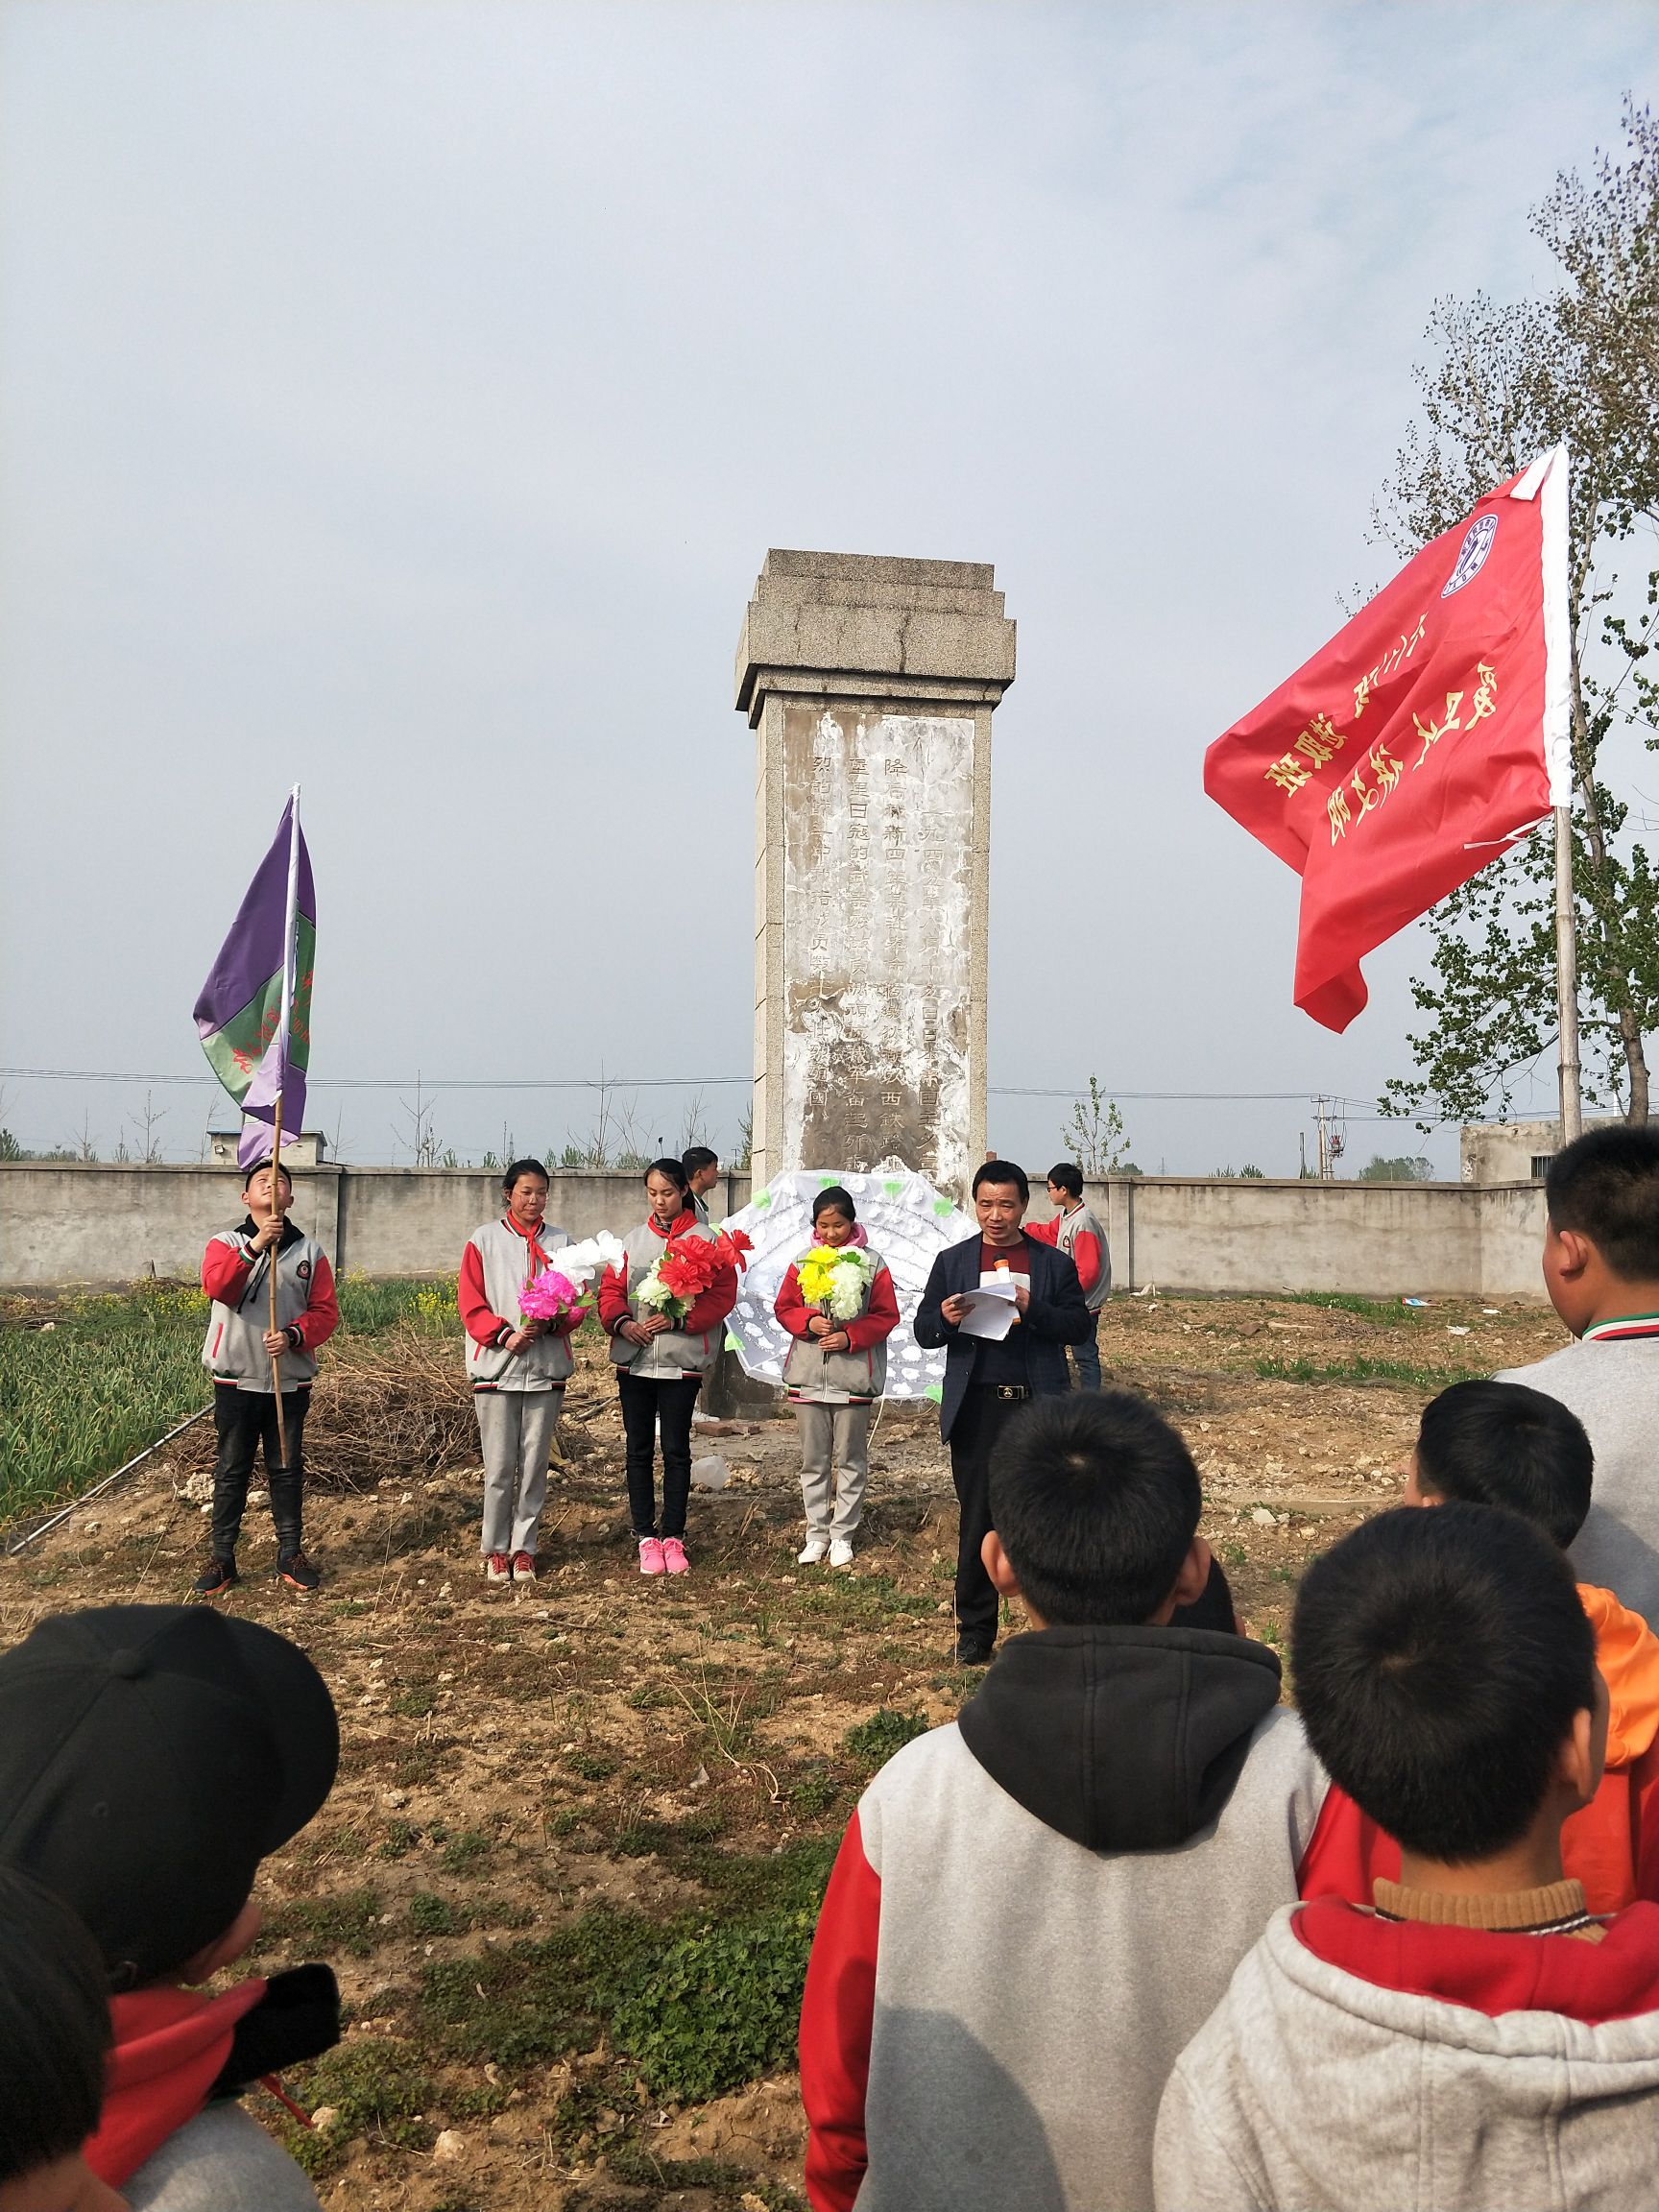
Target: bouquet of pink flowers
[(548, 1297)]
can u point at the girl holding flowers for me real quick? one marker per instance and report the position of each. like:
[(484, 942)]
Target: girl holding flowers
[(663, 1306), (838, 1303), (519, 1315)]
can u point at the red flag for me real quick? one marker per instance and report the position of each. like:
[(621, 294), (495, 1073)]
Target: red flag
[(1420, 743)]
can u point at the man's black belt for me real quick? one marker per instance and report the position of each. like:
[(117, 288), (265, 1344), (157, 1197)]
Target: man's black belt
[(1014, 1392)]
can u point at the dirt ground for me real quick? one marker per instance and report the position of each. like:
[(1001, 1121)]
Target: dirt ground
[(516, 1759)]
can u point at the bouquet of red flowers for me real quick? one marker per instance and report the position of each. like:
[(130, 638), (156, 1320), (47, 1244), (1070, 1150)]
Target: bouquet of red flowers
[(687, 1266)]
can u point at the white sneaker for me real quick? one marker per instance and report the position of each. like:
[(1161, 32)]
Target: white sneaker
[(812, 1553), (841, 1552)]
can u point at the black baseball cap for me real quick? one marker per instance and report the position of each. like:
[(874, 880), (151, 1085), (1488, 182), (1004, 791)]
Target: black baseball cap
[(150, 1757)]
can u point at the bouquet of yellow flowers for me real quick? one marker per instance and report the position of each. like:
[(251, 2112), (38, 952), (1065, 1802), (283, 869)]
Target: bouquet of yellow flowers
[(836, 1279)]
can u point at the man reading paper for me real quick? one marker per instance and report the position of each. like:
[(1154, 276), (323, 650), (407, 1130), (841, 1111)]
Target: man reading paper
[(987, 1379)]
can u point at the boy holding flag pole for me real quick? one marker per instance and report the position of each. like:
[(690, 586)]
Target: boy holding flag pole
[(253, 1018)]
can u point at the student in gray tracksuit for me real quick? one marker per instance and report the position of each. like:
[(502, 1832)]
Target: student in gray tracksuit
[(518, 1368), (836, 1369)]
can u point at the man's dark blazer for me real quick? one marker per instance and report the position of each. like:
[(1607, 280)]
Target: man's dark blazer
[(1055, 1316)]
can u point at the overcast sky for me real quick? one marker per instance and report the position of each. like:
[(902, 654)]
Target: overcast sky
[(402, 398)]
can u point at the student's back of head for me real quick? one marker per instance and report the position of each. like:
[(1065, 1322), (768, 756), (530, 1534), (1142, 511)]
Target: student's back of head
[(54, 2033), (1095, 1501), (1440, 1660), (1606, 1185), (1505, 1444)]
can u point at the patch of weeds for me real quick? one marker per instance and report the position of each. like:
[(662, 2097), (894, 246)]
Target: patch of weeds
[(1361, 1370), (720, 2006), (432, 1916), (632, 2163), (814, 1793), (875, 1741), (415, 1702), (467, 1853), (533, 2001), (415, 1764), (590, 1766), (400, 1836), (350, 1922), (380, 2088), (567, 1821), (651, 1697), (859, 1597), (1347, 1301), (347, 1608), (1233, 1554)]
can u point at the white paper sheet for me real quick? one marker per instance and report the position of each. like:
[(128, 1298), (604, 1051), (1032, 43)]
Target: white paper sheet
[(990, 1310)]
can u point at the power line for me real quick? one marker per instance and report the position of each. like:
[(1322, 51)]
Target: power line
[(1357, 1109)]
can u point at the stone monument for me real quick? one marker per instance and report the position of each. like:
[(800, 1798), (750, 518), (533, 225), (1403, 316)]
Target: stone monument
[(870, 683)]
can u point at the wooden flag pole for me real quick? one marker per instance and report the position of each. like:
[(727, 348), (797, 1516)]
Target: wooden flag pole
[(1567, 978), (285, 1030), (275, 1357)]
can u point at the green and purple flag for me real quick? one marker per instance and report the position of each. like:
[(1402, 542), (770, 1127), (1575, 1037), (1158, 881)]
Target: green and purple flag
[(253, 1014)]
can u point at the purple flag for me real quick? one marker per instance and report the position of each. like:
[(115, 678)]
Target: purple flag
[(253, 1014)]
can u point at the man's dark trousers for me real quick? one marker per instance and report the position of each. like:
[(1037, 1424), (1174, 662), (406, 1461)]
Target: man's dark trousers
[(980, 1421)]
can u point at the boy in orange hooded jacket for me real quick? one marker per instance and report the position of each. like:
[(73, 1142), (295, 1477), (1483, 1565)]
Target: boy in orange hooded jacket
[(1504, 1443)]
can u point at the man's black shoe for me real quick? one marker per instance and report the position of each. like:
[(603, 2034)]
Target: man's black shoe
[(973, 1652), (298, 1572), (215, 1578)]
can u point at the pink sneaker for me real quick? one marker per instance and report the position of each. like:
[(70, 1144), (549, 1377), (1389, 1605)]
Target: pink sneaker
[(674, 1559), (651, 1559)]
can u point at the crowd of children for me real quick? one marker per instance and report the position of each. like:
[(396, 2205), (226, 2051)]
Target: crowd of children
[(1128, 1933)]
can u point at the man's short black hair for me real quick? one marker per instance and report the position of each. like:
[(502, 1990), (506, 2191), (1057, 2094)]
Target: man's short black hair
[(1505, 1444), (1003, 1171), (1607, 1185), (1096, 1502), (514, 1168), (695, 1158), (53, 2028), (1439, 1659), (1066, 1175)]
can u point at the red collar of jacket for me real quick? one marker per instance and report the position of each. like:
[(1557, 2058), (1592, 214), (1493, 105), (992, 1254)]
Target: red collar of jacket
[(682, 1222), (170, 2046), (1494, 1971)]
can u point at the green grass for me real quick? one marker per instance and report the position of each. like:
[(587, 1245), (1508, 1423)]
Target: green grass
[(1388, 1309), (113, 1373), (1360, 1370)]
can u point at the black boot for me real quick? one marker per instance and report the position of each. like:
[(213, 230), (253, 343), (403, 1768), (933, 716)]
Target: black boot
[(292, 1565)]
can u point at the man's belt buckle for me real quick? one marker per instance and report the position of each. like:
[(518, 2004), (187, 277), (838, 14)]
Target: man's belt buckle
[(1017, 1392)]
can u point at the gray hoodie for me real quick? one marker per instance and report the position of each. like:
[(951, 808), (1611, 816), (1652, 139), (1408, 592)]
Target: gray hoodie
[(1033, 1910), (1311, 2090)]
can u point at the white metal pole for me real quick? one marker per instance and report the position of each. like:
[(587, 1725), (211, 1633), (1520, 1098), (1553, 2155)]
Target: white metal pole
[(1567, 978)]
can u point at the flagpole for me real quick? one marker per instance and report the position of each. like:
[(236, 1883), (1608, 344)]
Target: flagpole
[(1549, 481), (289, 922), (1567, 978)]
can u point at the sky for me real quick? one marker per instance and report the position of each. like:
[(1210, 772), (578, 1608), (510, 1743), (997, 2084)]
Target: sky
[(400, 399)]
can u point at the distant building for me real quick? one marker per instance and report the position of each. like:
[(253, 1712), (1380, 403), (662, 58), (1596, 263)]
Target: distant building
[(306, 1150), (1512, 1151)]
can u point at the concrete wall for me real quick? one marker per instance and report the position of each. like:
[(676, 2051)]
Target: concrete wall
[(66, 1221), (70, 1222), (1378, 1239)]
